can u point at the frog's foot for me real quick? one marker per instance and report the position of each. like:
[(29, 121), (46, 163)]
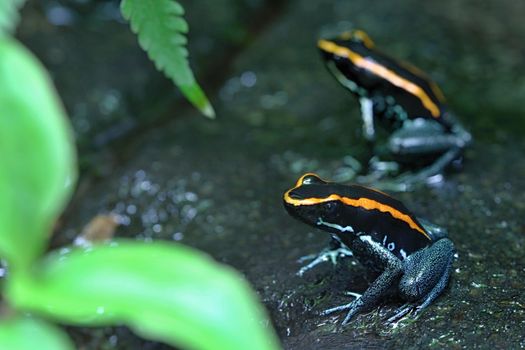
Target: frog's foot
[(412, 309), (400, 312), (348, 170), (378, 170), (324, 255), (353, 308), (400, 184), (406, 182), (382, 168), (380, 176), (415, 308), (432, 174)]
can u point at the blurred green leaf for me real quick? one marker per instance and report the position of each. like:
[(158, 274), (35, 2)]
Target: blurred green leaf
[(9, 14), (160, 28), (25, 333), (37, 159), (163, 291)]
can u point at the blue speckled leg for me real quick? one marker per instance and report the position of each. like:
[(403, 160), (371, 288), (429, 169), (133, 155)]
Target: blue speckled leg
[(419, 138), (435, 168), (439, 287), (372, 295), (407, 182), (375, 292), (409, 307), (426, 275)]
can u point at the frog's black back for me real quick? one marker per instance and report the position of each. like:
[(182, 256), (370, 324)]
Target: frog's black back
[(396, 229), (372, 213), (380, 86)]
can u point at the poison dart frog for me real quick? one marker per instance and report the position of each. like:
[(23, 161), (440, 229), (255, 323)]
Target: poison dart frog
[(400, 97), (383, 235)]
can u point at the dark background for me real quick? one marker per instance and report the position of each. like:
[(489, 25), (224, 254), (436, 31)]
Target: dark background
[(148, 156)]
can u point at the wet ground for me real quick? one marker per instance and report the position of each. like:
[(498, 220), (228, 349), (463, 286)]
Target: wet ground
[(217, 185)]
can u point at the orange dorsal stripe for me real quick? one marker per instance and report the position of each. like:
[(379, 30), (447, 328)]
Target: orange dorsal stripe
[(365, 203), (383, 72)]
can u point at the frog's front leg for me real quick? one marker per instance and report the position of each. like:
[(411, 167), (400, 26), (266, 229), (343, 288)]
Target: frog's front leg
[(367, 114), (336, 250), (426, 274)]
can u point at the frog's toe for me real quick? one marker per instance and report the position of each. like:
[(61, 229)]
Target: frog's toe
[(306, 258), (357, 305), (326, 255), (337, 308), (382, 168), (353, 311), (401, 312), (316, 260), (412, 309), (353, 308)]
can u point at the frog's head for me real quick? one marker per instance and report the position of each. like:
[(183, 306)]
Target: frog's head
[(342, 55), (311, 200), (350, 39), (356, 36)]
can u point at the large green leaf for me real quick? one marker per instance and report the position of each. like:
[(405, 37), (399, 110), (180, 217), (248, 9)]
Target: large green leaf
[(25, 333), (37, 159), (9, 14), (163, 291), (160, 28)]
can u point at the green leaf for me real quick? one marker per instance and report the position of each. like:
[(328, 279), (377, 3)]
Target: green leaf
[(160, 28), (37, 159), (163, 291), (25, 333), (9, 14)]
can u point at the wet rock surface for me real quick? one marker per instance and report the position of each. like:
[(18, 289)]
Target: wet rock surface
[(217, 185)]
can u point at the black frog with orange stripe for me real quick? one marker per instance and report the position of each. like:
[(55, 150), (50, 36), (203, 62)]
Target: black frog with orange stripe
[(399, 96), (383, 235)]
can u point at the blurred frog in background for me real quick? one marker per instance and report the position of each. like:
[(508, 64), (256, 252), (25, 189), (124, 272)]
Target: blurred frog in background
[(422, 133)]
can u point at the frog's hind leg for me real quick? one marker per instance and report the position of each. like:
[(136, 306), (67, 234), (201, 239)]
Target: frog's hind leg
[(420, 137), (416, 308), (371, 296), (426, 275), (378, 288), (408, 181), (438, 288)]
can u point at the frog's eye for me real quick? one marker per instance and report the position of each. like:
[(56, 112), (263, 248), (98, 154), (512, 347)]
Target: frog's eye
[(361, 36), (330, 206), (357, 36), (310, 179), (331, 210)]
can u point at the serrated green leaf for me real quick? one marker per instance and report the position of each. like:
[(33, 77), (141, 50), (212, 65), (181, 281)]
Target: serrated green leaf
[(26, 333), (37, 159), (160, 28), (9, 14), (163, 291)]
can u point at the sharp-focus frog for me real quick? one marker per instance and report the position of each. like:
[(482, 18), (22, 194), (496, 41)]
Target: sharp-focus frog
[(402, 98), (383, 235)]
